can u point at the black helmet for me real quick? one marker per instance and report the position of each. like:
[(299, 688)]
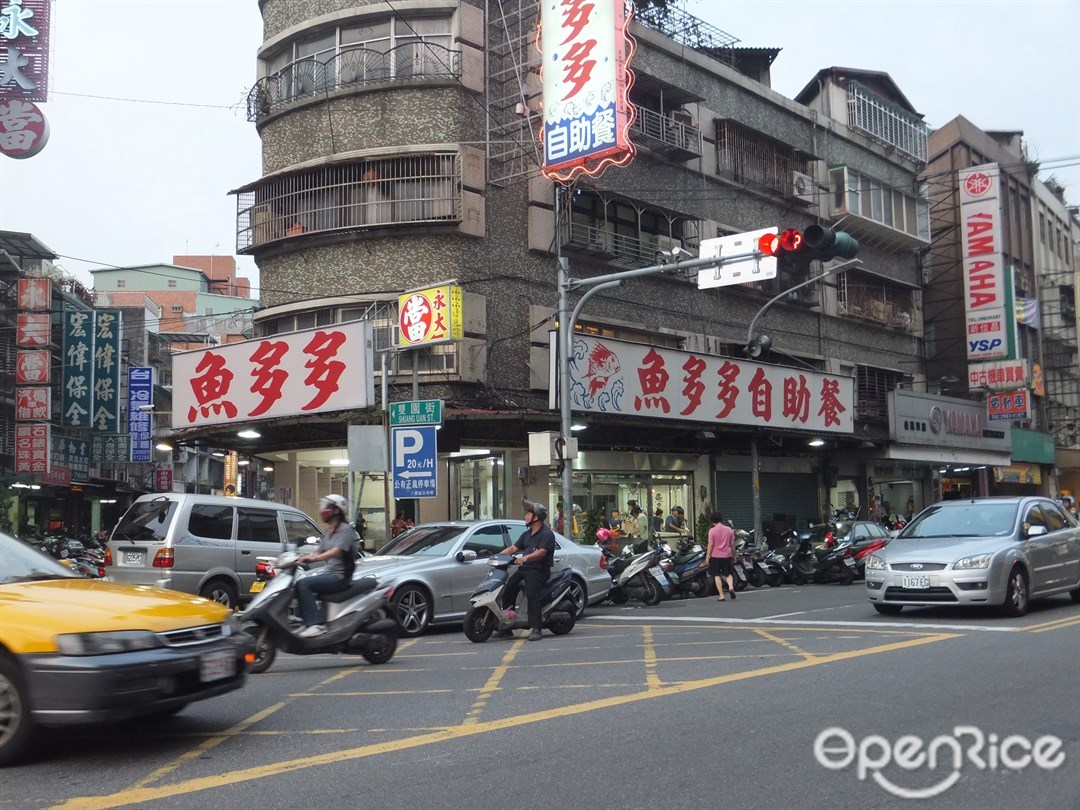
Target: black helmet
[(537, 509)]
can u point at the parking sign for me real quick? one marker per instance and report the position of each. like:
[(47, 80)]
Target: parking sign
[(415, 451)]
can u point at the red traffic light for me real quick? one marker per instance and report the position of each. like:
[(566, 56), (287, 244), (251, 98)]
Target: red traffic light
[(769, 244), (791, 240)]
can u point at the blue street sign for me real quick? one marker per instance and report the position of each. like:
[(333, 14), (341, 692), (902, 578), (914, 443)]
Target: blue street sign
[(414, 451)]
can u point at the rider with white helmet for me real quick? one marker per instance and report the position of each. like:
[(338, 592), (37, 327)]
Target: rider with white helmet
[(337, 548)]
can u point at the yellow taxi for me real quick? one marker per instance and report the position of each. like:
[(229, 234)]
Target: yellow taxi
[(76, 650)]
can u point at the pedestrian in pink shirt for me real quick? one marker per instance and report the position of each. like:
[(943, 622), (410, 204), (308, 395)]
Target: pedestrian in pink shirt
[(720, 554)]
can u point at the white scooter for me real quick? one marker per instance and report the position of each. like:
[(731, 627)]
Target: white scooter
[(557, 610), (357, 618)]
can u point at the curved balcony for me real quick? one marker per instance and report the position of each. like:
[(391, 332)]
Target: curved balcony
[(354, 68)]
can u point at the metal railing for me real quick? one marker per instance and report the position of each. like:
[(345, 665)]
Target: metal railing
[(366, 194), (885, 122), (666, 130), (356, 67)]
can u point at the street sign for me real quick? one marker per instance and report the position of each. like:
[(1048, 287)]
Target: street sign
[(744, 271), (414, 453), (416, 412)]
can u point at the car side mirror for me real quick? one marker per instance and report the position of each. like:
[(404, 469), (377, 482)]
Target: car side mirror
[(309, 541), (1035, 531), (466, 555)]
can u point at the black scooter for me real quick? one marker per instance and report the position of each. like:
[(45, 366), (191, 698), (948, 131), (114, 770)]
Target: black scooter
[(822, 565)]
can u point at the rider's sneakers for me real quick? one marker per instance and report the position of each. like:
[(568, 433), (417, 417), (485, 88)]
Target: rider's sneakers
[(311, 632), (535, 635), (509, 614)]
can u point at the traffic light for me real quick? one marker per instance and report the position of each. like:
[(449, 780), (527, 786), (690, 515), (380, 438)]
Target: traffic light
[(815, 242)]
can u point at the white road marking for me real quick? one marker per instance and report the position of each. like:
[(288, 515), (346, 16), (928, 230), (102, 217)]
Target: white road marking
[(811, 623)]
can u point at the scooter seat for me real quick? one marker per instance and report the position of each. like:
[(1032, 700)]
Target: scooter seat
[(358, 586)]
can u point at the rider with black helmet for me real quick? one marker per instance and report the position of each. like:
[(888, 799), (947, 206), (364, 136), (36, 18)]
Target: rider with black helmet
[(537, 547)]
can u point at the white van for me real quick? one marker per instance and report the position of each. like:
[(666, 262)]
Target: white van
[(202, 544)]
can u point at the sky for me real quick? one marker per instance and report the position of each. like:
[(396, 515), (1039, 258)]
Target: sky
[(149, 127)]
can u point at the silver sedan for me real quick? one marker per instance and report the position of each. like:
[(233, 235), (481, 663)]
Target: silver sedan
[(434, 577), (983, 551)]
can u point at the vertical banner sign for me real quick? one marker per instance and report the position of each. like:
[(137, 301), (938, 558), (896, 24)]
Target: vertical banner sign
[(33, 367), (140, 393), (109, 449), (105, 407), (163, 479), (32, 330), (33, 403), (35, 294), (985, 306), (585, 53), (32, 447), (232, 468), (72, 454), (24, 50), (430, 316), (78, 378)]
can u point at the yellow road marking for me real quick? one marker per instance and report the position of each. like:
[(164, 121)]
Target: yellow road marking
[(1060, 620), (1075, 620), (492, 685), (785, 644), (652, 680), (148, 794)]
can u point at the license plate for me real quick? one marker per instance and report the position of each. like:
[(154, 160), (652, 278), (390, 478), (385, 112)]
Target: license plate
[(217, 665), (748, 566), (915, 583), (257, 586), (133, 558), (658, 575), (851, 564)]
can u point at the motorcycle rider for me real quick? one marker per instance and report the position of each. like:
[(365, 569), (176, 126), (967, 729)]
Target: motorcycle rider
[(337, 548), (537, 544)]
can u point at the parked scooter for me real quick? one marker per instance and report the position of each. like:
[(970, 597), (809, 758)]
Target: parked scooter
[(832, 564), (684, 568), (636, 574), (557, 610), (357, 619)]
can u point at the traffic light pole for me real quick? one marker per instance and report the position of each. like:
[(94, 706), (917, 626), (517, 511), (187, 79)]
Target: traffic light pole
[(567, 320), (756, 474)]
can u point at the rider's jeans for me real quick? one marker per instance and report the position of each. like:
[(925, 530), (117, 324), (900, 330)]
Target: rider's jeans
[(305, 595), (535, 579)]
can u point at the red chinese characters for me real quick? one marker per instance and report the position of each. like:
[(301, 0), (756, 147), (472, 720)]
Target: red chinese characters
[(578, 64), (269, 376), (831, 407), (694, 387), (653, 379), (761, 395), (728, 391), (211, 388), (796, 399), (325, 370)]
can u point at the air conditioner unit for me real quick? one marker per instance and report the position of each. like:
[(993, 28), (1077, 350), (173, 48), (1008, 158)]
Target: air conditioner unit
[(803, 187)]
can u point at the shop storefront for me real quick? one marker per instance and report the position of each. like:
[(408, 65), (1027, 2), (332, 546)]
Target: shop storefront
[(1032, 469)]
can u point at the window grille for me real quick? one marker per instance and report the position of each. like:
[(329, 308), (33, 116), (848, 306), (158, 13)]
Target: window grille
[(751, 157), (872, 387), (855, 193), (885, 122), (862, 296), (383, 192)]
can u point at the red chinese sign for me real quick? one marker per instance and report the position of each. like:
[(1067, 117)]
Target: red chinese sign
[(32, 330), (32, 447), (163, 479), (24, 50), (24, 129), (314, 371), (1009, 406), (628, 378), (33, 367), (34, 295), (33, 403)]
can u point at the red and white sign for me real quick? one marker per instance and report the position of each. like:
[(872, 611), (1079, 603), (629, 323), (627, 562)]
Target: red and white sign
[(60, 476), (32, 330), (32, 447), (1000, 375), (34, 295), (314, 371), (163, 479), (610, 376), (984, 271), (24, 50), (33, 367), (24, 129), (1009, 406), (33, 403)]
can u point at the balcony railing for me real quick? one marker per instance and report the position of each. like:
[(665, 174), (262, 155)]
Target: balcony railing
[(307, 78), (617, 249), (384, 192), (673, 134)]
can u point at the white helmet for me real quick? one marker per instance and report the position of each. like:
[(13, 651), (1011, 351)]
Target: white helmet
[(336, 501)]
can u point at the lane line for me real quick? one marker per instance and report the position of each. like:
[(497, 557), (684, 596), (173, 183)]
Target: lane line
[(785, 644), (492, 685), (652, 680), (1059, 626), (814, 623), (149, 794), (1033, 627)]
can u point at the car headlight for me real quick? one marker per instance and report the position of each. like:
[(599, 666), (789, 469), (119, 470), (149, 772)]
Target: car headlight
[(106, 643), (978, 561), (874, 562)]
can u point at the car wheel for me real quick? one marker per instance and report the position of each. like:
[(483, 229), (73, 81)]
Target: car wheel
[(888, 610), (265, 651), (1016, 595), (412, 609), (579, 595), (220, 591), (16, 727)]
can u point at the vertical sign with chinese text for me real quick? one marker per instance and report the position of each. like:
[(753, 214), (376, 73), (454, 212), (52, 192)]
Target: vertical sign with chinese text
[(105, 406), (78, 377), (32, 447), (140, 394), (430, 316), (985, 305), (585, 52), (24, 50)]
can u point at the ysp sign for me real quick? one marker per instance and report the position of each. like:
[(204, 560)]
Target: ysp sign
[(415, 452)]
